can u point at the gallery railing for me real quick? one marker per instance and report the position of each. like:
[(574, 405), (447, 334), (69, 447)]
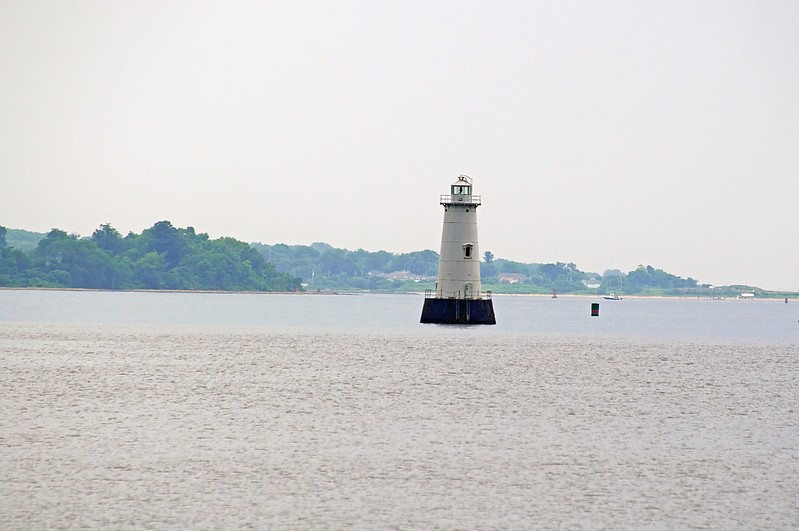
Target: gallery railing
[(440, 294), (449, 199)]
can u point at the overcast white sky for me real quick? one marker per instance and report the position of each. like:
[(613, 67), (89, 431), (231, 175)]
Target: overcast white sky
[(605, 133)]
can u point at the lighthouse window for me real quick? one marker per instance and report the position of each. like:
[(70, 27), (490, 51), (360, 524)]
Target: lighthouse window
[(467, 250)]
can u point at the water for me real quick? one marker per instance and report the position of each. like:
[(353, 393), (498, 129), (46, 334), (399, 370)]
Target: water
[(132, 410)]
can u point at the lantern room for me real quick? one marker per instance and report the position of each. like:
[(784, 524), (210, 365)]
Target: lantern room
[(463, 186)]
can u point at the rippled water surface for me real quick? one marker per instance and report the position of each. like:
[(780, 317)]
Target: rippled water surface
[(226, 411)]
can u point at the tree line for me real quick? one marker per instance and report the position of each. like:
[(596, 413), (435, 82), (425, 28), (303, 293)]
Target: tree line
[(567, 278), (166, 257), (162, 257), (322, 266)]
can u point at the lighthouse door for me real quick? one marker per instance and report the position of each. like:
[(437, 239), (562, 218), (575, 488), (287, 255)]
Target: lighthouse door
[(468, 290)]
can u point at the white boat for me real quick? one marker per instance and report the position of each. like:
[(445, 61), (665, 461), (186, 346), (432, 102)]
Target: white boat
[(612, 297)]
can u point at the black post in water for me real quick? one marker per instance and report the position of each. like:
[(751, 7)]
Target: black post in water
[(594, 309)]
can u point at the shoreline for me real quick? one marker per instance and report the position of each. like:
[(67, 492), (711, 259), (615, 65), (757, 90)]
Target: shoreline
[(778, 298)]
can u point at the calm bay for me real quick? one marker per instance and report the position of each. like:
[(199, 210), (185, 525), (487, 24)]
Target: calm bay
[(176, 410)]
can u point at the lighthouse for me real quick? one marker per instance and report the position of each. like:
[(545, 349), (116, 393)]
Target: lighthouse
[(458, 297)]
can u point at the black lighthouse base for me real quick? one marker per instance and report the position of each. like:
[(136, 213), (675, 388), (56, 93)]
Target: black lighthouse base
[(458, 311)]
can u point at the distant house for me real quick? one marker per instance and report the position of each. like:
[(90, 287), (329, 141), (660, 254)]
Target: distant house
[(746, 296), (399, 276), (511, 278), (591, 283)]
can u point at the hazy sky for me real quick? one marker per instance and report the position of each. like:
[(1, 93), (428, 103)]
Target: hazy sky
[(605, 133)]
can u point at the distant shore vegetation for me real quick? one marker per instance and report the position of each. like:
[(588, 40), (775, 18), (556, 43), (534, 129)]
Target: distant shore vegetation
[(165, 257), (162, 257), (323, 267)]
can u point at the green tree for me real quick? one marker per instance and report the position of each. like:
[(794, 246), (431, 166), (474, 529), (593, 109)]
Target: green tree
[(123, 273), (66, 261), (150, 271), (108, 239), (165, 240), (422, 263), (14, 264), (649, 278)]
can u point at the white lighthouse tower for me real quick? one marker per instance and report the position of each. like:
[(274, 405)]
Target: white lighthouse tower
[(458, 297)]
